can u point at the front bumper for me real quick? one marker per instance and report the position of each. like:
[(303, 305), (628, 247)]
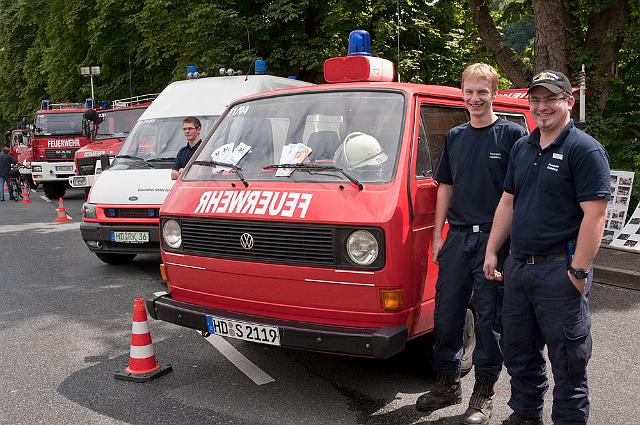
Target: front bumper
[(100, 234), (379, 343), (53, 171)]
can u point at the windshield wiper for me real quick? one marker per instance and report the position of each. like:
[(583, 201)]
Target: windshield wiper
[(135, 158), (306, 166), (238, 170), (161, 159)]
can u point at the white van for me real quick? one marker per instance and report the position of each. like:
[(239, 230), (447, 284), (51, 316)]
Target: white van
[(121, 216)]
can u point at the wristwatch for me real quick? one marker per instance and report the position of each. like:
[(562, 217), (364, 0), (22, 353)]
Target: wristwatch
[(579, 273)]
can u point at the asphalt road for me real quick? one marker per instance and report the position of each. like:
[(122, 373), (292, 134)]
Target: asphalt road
[(65, 321)]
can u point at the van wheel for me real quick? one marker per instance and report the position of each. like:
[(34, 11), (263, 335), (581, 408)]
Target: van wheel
[(469, 342), (421, 351), (115, 259)]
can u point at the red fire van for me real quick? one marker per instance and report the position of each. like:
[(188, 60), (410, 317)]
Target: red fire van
[(305, 219)]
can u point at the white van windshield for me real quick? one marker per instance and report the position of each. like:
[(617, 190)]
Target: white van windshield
[(327, 134), (155, 143)]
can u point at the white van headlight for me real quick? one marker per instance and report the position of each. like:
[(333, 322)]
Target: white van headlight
[(362, 247), (172, 234)]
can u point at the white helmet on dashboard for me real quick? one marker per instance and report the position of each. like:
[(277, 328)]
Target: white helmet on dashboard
[(360, 149)]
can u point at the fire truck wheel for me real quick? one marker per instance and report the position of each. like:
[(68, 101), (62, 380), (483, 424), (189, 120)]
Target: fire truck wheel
[(115, 259), (54, 190)]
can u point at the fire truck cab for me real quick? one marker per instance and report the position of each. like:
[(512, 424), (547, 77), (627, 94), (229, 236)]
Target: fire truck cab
[(19, 143), (121, 215), (112, 128), (57, 136), (305, 219)]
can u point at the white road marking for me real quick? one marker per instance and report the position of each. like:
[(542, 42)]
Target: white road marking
[(160, 293), (44, 198), (400, 400), (245, 365), (39, 227)]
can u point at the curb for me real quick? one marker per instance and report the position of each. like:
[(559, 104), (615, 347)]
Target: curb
[(616, 277)]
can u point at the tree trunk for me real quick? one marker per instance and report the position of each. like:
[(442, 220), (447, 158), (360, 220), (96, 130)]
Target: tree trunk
[(507, 59), (551, 40), (603, 39)]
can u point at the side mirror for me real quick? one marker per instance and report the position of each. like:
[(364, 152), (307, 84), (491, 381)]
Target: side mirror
[(104, 162)]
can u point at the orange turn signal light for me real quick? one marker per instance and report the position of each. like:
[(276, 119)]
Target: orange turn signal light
[(163, 272), (392, 299)]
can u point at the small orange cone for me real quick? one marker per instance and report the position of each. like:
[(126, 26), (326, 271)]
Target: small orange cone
[(25, 195), (62, 214), (143, 366)]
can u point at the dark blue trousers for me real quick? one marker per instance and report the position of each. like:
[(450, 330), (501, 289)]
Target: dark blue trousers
[(542, 307), (460, 275)]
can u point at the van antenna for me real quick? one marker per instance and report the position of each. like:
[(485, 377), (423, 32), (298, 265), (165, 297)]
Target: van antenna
[(249, 43), (398, 37)]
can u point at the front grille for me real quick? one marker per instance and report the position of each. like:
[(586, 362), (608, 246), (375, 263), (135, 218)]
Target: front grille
[(60, 153), (132, 212), (87, 166), (272, 242)]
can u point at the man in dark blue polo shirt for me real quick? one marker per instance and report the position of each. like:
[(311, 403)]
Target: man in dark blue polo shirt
[(6, 161), (471, 174), (554, 205), (191, 128)]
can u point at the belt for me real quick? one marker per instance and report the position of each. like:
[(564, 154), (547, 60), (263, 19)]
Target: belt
[(471, 229), (541, 259)]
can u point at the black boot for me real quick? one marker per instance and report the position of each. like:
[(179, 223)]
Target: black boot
[(446, 392), (480, 405), (517, 419)]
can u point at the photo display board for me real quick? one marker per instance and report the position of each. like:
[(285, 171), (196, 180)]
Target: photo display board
[(621, 184), (629, 236)]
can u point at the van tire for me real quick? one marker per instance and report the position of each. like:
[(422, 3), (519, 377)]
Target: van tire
[(54, 190), (115, 259), (421, 349)]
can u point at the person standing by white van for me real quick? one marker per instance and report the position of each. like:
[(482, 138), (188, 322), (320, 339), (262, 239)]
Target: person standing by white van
[(191, 129)]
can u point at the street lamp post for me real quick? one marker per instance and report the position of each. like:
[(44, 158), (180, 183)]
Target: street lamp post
[(90, 71)]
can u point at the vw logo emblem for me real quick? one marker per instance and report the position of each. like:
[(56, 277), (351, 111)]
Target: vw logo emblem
[(246, 241), (133, 198)]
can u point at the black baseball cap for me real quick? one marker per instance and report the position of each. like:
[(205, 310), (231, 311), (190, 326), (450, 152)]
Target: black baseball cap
[(554, 81)]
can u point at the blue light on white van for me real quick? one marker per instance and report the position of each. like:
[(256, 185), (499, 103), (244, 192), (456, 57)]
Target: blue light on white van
[(261, 66)]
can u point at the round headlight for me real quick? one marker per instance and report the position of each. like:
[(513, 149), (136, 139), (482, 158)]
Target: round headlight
[(172, 234), (362, 247)]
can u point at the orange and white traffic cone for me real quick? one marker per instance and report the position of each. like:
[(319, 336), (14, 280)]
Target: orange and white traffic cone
[(143, 366), (62, 214), (25, 195)]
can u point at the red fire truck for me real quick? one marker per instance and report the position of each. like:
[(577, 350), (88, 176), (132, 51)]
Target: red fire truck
[(113, 127), (305, 220), (19, 142), (57, 135)]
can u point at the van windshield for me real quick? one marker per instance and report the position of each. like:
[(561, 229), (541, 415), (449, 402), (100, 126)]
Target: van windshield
[(155, 142), (59, 124), (358, 132)]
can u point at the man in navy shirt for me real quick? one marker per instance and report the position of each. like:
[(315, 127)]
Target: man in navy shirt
[(191, 129), (6, 161), (471, 174), (554, 205)]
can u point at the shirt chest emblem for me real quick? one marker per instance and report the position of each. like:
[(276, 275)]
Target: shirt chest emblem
[(553, 167), (557, 156), (495, 155)]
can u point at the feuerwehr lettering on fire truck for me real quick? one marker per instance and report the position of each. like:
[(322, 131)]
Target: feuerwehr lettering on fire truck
[(255, 202), (63, 143)]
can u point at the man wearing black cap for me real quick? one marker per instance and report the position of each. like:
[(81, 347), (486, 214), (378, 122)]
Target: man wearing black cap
[(554, 205)]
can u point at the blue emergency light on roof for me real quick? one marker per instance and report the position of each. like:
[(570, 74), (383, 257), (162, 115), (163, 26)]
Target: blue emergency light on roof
[(261, 66), (45, 104), (192, 72), (104, 105), (359, 43), (88, 103), (358, 65)]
